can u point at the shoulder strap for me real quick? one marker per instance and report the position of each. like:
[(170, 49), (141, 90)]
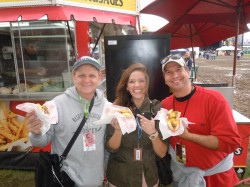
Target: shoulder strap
[(73, 139)]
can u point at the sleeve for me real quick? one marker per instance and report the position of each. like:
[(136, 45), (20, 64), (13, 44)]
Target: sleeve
[(39, 140), (157, 106), (109, 133), (190, 63), (223, 125)]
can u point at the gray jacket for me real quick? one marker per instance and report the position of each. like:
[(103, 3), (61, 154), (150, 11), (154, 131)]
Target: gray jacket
[(85, 168)]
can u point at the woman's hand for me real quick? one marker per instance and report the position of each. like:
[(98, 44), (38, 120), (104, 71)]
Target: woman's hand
[(33, 123), (115, 124), (148, 126)]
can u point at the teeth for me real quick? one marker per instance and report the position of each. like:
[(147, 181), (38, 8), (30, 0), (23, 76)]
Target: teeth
[(176, 81), (137, 91)]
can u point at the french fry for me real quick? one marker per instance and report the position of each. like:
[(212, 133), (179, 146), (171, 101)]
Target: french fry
[(11, 129), (1, 136), (2, 141), (5, 127), (15, 122), (25, 130), (8, 114), (14, 129), (4, 147), (20, 130), (8, 135)]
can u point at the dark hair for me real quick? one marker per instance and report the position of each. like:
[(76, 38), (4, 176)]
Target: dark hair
[(122, 96)]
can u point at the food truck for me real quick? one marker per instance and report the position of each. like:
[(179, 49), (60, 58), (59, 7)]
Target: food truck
[(39, 42)]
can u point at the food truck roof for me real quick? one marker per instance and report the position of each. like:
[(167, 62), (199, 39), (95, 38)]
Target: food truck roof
[(65, 13)]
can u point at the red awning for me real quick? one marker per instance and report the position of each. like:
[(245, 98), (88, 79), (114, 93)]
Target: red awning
[(65, 13)]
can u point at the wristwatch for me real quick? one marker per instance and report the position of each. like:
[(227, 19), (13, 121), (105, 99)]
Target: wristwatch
[(153, 136)]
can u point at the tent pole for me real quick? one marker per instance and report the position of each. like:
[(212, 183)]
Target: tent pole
[(238, 10), (193, 55), (96, 43), (139, 24)]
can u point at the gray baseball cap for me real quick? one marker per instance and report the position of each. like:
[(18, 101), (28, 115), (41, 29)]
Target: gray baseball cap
[(172, 58), (86, 60)]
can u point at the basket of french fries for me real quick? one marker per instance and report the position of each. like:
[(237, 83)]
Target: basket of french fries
[(47, 113), (171, 122), (124, 116), (13, 131)]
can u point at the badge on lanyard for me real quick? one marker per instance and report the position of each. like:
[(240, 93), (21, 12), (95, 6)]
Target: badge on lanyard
[(180, 153), (138, 150), (137, 154), (89, 143)]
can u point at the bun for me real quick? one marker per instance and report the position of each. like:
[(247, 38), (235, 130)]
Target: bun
[(125, 113), (173, 120), (43, 108)]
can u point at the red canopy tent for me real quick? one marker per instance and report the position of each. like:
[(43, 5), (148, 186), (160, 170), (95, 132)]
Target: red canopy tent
[(202, 22)]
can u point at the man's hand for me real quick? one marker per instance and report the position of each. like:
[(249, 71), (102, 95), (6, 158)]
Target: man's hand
[(34, 124)]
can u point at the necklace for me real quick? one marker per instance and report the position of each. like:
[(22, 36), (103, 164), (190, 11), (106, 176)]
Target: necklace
[(185, 98), (185, 106)]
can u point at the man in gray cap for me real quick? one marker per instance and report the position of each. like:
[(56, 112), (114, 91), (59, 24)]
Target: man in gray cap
[(84, 165), (202, 154)]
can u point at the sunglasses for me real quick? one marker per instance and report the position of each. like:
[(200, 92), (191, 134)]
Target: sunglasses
[(169, 57)]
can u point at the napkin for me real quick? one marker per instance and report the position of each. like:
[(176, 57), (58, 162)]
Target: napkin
[(110, 111), (47, 119), (165, 131)]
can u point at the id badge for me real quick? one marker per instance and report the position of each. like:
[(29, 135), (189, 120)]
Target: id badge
[(89, 143), (180, 153), (137, 154)]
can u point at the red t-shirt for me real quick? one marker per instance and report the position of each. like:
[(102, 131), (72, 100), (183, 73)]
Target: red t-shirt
[(211, 115)]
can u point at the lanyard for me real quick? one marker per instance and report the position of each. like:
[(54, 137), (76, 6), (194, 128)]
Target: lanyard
[(139, 131), (85, 107)]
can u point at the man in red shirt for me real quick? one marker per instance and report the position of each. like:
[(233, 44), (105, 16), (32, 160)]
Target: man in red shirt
[(203, 154)]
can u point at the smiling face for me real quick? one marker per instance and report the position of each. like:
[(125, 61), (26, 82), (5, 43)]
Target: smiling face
[(86, 79), (137, 86), (177, 78)]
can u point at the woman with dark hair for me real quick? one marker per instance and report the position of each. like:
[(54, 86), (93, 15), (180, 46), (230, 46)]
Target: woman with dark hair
[(132, 156)]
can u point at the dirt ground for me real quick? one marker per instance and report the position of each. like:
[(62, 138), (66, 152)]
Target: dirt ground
[(221, 71)]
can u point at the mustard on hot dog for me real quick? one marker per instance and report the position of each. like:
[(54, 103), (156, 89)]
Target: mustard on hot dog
[(173, 120)]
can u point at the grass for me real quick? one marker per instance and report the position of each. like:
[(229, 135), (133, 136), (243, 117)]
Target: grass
[(17, 178)]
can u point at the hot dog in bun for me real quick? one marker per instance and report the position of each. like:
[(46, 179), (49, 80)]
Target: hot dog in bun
[(43, 108), (173, 120), (125, 113)]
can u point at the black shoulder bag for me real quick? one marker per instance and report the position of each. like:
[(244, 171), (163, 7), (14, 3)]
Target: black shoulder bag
[(48, 167)]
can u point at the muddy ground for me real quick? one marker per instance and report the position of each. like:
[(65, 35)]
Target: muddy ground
[(221, 71)]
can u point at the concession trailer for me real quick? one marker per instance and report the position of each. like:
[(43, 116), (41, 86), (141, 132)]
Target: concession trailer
[(59, 32)]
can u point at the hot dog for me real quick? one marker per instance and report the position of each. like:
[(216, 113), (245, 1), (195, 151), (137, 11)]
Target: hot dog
[(173, 120), (125, 113), (43, 108)]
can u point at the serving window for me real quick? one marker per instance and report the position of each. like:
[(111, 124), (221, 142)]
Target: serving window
[(41, 54)]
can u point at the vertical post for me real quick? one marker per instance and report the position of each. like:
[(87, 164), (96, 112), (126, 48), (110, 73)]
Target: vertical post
[(82, 38), (238, 10), (193, 55)]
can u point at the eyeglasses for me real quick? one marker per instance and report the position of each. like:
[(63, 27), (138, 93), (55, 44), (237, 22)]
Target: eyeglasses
[(173, 57)]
